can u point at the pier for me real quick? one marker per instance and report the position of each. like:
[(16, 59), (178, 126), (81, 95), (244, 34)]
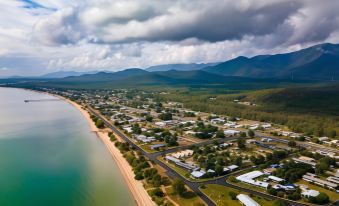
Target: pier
[(41, 100)]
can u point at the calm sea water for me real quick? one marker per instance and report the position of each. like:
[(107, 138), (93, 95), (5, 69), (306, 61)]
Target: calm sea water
[(48, 156)]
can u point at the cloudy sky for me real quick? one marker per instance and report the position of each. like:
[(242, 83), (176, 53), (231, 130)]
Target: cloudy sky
[(42, 36)]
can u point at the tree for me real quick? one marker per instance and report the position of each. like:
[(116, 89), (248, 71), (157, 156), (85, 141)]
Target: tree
[(272, 191), (250, 133), (280, 203), (321, 199), (149, 118), (179, 187), (157, 192), (138, 176), (292, 143), (243, 134), (232, 179), (220, 134), (233, 195), (333, 134), (165, 116), (241, 143), (294, 196), (257, 160), (219, 169), (100, 124), (136, 129)]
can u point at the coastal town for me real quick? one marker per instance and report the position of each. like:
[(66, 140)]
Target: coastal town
[(186, 157)]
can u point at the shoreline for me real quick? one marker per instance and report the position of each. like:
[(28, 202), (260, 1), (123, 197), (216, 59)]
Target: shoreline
[(136, 187)]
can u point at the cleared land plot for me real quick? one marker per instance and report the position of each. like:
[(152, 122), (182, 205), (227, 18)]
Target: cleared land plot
[(221, 196)]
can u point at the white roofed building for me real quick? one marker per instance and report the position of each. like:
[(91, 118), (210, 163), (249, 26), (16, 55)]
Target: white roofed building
[(231, 132), (310, 193), (250, 177), (246, 200)]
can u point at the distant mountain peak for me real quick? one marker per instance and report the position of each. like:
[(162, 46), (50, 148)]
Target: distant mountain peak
[(319, 62)]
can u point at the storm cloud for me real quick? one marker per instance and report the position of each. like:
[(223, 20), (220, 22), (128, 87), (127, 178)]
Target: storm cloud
[(131, 21)]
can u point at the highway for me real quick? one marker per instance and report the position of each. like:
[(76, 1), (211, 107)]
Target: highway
[(194, 186)]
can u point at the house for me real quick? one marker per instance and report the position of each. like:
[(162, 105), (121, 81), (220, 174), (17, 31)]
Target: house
[(254, 126), (190, 132), (275, 179), (333, 179), (172, 159), (321, 139), (157, 146), (144, 139), (198, 174), (160, 124), (187, 166), (285, 133), (269, 170), (288, 187), (233, 167), (184, 165), (306, 160), (231, 132), (184, 153), (223, 145), (320, 182), (329, 154), (217, 121), (266, 126), (210, 171), (246, 200), (310, 193), (230, 124), (128, 129), (226, 169), (266, 139)]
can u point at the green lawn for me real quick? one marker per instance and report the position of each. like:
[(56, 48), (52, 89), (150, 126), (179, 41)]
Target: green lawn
[(220, 195), (333, 195), (190, 200), (255, 188)]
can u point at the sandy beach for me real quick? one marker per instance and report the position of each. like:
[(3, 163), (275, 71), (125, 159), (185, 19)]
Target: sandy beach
[(139, 193)]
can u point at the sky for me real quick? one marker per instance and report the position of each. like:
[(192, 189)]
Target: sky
[(43, 36)]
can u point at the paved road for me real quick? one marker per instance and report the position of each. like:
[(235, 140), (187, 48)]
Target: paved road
[(194, 186), (307, 145)]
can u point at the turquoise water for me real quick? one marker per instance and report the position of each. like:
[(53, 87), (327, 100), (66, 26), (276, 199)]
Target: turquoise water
[(48, 156)]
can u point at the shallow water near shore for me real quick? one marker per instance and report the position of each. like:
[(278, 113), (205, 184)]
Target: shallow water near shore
[(48, 156)]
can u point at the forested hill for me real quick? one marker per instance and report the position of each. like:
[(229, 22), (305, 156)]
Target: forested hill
[(179, 67), (312, 109), (173, 78), (320, 62)]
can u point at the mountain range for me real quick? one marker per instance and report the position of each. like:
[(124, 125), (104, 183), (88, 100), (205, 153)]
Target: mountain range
[(179, 67), (320, 62), (316, 63)]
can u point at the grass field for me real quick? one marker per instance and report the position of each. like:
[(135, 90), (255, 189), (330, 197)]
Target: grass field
[(189, 200), (220, 195), (333, 195)]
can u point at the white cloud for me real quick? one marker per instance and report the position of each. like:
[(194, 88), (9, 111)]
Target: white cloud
[(111, 35)]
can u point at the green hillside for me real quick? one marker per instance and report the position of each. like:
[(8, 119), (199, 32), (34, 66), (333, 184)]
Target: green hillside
[(320, 62)]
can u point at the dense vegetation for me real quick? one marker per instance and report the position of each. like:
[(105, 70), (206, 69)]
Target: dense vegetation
[(312, 110)]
